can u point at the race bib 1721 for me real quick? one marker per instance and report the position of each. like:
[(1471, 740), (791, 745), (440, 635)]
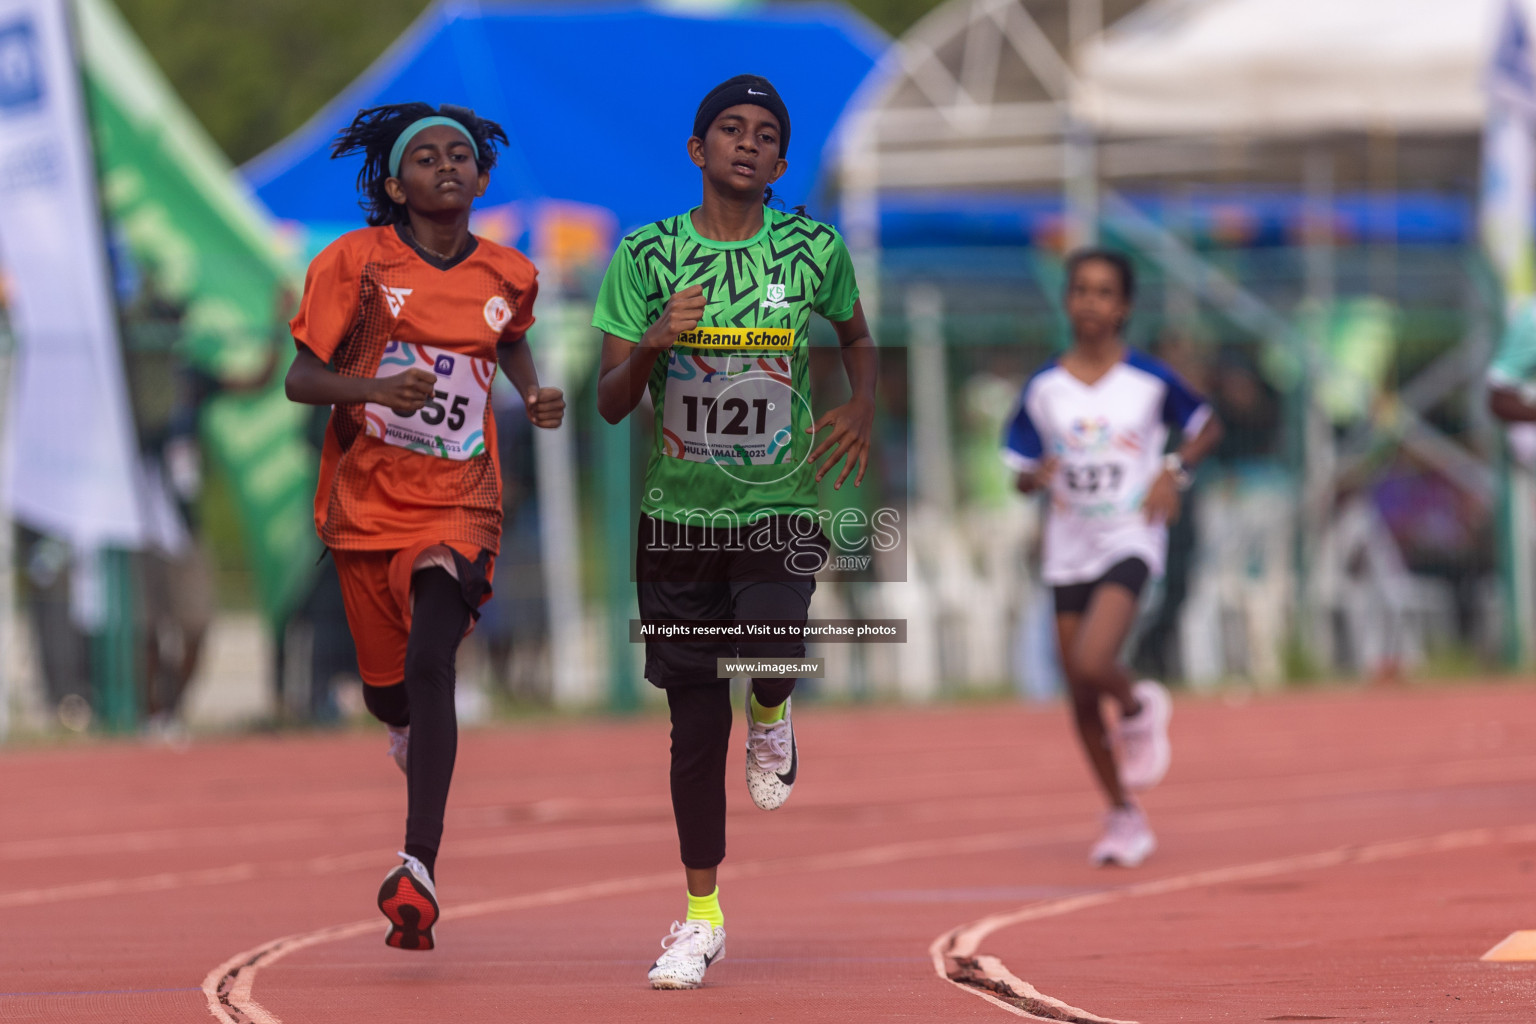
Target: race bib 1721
[(452, 423), (731, 409)]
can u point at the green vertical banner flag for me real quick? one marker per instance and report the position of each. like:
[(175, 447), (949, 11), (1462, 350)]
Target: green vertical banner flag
[(177, 206)]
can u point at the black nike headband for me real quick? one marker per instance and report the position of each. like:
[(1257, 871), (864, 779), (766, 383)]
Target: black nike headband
[(753, 89)]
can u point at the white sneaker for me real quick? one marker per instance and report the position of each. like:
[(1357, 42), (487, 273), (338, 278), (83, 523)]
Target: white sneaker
[(399, 745), (1127, 840), (1144, 747), (773, 761), (688, 951)]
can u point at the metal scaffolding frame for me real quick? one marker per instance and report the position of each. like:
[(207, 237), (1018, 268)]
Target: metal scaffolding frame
[(979, 95)]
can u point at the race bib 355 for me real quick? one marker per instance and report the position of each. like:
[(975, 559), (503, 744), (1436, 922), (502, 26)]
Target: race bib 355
[(452, 423)]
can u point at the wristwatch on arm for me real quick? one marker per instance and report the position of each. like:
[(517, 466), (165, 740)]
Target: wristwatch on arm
[(1174, 466)]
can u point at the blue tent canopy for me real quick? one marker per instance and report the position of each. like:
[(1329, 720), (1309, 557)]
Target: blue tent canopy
[(597, 99)]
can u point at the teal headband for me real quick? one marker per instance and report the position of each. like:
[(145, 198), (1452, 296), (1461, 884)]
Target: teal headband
[(414, 128)]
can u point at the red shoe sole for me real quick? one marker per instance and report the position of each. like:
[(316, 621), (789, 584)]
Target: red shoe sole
[(411, 911)]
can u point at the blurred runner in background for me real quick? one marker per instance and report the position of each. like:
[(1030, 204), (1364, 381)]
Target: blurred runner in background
[(1512, 380), (1090, 430)]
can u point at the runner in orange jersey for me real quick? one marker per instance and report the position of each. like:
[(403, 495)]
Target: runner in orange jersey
[(400, 330)]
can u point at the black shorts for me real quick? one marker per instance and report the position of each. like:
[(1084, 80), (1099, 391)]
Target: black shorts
[(1130, 573), (758, 572)]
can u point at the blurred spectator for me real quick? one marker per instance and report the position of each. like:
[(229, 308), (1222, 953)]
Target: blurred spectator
[(1442, 531), (175, 585), (1247, 405), (513, 624), (316, 679), (47, 565), (317, 662), (175, 580), (1157, 650)]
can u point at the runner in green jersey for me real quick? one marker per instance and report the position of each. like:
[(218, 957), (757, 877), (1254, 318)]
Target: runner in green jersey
[(1512, 375), (733, 431), (709, 311), (1512, 382)]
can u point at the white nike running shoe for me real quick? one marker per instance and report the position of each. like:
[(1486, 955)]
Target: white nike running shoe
[(399, 745), (688, 950), (1144, 747), (1127, 839), (773, 761)]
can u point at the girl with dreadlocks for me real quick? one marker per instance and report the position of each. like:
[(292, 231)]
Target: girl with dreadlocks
[(400, 331)]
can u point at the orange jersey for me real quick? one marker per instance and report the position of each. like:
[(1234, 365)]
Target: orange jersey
[(374, 305)]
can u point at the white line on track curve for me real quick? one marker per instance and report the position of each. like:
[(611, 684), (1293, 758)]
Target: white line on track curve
[(228, 987), (964, 941)]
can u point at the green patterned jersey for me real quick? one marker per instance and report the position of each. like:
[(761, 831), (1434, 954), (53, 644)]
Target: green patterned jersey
[(732, 398), (1514, 365)]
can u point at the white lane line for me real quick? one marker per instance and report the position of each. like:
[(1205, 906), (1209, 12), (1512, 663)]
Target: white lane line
[(331, 864), (1176, 797), (105, 887), (581, 837), (985, 976), (955, 953), (228, 986)]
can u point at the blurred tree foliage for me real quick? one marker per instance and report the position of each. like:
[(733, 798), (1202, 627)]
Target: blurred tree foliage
[(254, 71)]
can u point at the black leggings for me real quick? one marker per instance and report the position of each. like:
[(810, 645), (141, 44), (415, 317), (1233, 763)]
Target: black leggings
[(424, 701), (701, 725), (701, 738)]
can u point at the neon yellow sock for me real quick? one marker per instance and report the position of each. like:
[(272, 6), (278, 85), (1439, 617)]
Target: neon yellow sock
[(706, 908), (765, 716)]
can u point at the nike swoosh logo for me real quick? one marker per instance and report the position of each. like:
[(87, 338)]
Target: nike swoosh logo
[(787, 777), (753, 92)]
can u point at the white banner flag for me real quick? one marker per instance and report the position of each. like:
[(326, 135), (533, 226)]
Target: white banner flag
[(73, 468), (1509, 155)]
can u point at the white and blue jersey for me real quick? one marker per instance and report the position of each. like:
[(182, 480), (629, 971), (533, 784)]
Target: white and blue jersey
[(1109, 438)]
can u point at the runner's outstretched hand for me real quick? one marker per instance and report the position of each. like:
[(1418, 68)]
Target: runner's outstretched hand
[(1161, 505), (1032, 480), (848, 428), (682, 312), (546, 407), (404, 393)]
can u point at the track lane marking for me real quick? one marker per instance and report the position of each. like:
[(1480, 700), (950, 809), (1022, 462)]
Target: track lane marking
[(582, 836), (1356, 780), (1518, 947), (105, 887), (955, 954), (328, 864), (228, 987)]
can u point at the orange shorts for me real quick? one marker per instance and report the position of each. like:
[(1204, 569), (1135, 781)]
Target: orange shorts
[(376, 589)]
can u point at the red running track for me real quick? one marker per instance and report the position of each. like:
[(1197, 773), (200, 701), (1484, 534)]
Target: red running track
[(1338, 856)]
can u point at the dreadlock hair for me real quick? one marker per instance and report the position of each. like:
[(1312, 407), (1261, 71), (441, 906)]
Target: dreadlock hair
[(373, 133), (769, 199)]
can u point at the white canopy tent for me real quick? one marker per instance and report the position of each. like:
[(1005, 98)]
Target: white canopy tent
[(1031, 95), (1301, 80), (1288, 67), (989, 94)]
